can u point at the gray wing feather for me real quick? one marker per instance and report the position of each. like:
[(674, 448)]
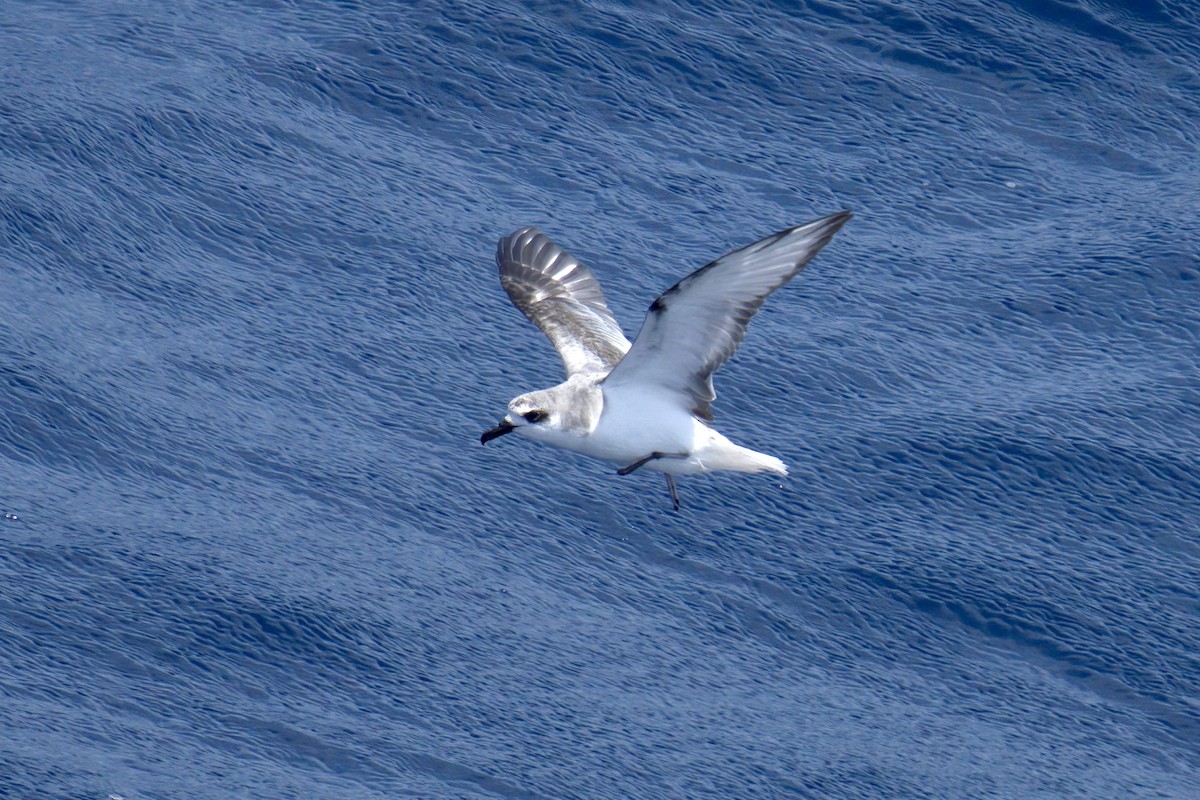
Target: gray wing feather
[(562, 297), (697, 324)]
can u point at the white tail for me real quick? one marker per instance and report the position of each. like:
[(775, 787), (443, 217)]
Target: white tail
[(760, 462), (723, 454)]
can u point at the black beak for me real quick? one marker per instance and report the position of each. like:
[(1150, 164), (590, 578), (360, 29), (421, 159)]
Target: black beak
[(504, 427)]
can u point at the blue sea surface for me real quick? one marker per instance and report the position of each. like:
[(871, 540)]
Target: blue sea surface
[(251, 331)]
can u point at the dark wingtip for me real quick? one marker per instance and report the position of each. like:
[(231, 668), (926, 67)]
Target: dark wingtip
[(837, 220), (508, 246), (822, 229)]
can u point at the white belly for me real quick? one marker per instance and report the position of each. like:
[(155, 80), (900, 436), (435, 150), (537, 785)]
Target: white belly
[(636, 423)]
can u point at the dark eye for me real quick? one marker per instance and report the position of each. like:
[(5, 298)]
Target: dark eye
[(535, 416)]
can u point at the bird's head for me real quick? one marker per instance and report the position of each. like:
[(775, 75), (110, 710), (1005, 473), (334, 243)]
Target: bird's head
[(529, 415)]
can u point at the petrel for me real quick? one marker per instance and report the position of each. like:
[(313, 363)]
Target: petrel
[(645, 404)]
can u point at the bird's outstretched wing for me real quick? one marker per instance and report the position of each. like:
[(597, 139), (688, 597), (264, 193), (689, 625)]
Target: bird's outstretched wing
[(561, 296), (697, 324)]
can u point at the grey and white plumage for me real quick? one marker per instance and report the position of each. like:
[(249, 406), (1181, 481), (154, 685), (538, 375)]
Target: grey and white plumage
[(562, 297), (647, 403)]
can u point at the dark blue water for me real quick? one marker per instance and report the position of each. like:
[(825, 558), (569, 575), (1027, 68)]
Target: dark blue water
[(251, 332)]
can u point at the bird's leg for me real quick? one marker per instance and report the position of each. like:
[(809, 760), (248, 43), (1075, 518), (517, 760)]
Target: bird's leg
[(671, 486), (641, 462)]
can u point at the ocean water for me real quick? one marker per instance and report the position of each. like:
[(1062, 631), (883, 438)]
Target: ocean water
[(251, 332)]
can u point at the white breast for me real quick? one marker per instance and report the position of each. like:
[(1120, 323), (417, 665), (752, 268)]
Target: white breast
[(637, 421)]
